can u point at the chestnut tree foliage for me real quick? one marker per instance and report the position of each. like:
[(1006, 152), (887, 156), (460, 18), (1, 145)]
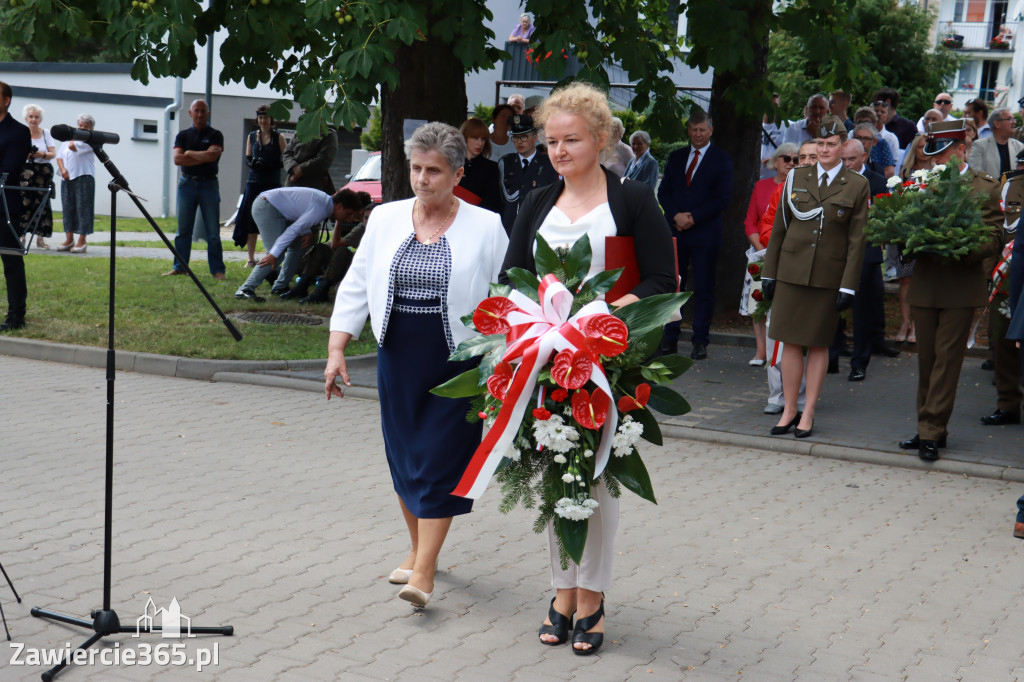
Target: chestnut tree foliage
[(336, 57)]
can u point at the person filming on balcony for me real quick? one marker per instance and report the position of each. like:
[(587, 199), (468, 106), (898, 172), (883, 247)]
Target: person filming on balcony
[(523, 30)]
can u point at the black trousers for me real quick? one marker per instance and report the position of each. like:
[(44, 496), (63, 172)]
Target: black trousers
[(868, 319), (14, 266)]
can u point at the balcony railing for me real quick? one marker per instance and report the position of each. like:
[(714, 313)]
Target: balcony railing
[(522, 65), (978, 35)]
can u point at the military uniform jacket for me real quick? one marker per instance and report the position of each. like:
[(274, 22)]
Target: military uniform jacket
[(314, 158), (826, 251), (516, 183), (944, 283)]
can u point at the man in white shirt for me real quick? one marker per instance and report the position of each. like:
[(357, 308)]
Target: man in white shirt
[(806, 128), (286, 217), (977, 110), (943, 103)]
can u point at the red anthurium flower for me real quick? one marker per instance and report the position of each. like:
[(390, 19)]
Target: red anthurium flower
[(541, 414), (590, 411), (489, 316), (571, 370), (628, 402), (606, 335), (559, 395), (499, 382)]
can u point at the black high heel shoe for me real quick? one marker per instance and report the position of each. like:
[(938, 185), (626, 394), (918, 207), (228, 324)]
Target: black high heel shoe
[(559, 626), (779, 430), (800, 433), (581, 636)]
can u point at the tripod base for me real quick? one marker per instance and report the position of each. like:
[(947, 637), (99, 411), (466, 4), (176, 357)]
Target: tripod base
[(105, 623)]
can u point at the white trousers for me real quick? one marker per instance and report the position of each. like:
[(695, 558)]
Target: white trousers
[(594, 573)]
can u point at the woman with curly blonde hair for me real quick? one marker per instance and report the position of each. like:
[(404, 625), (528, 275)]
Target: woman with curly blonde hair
[(591, 201)]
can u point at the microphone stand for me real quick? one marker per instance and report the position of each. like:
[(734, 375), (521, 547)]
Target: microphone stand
[(105, 621)]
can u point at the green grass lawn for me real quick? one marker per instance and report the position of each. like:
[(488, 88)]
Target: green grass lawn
[(167, 315), (228, 245), (102, 224)]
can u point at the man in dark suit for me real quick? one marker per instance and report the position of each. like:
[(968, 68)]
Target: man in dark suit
[(15, 145), (902, 128), (869, 303), (694, 191), (943, 296), (523, 170)]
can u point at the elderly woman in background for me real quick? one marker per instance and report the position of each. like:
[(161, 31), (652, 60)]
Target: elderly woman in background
[(523, 30), (589, 200), (264, 148), (38, 172), (422, 264), (783, 160), (617, 155), (642, 167), (480, 178), (77, 164)]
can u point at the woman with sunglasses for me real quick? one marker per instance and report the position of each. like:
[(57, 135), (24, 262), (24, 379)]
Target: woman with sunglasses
[(782, 160)]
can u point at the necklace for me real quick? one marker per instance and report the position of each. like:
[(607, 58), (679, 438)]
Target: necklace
[(427, 241), (588, 198)]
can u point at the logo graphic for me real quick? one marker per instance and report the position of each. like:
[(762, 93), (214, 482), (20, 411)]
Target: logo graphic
[(170, 620)]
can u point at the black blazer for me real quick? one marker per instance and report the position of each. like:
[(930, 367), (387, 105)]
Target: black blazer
[(876, 182), (636, 214), (481, 178)]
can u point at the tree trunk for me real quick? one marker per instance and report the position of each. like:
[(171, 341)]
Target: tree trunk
[(431, 87), (740, 136)]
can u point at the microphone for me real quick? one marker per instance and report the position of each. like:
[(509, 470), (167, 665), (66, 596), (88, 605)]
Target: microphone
[(94, 137)]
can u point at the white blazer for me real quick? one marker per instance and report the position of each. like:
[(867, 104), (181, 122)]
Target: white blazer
[(477, 242)]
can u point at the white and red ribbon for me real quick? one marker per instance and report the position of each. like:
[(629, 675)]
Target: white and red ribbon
[(538, 332)]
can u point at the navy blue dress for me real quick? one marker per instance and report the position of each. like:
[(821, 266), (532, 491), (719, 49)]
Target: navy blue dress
[(427, 439), (264, 174)]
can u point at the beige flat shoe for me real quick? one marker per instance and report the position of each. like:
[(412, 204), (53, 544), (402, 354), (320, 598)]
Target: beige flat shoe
[(400, 576), (416, 597), (79, 249)]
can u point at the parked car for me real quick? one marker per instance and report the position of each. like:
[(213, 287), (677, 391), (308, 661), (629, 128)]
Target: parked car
[(367, 178)]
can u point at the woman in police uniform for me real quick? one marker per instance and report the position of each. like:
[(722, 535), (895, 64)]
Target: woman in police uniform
[(812, 268)]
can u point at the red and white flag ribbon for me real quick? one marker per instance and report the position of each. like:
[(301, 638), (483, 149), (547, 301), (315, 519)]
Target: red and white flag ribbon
[(538, 332)]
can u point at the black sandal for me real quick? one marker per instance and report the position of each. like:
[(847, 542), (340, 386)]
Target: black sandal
[(581, 636), (559, 626)]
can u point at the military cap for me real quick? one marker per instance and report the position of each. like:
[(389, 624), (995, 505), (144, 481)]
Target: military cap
[(944, 134)]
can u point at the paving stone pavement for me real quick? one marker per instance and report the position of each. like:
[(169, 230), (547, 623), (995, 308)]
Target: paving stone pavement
[(273, 511)]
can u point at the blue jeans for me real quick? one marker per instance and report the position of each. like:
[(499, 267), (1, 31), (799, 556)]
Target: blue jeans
[(272, 225), (203, 196)]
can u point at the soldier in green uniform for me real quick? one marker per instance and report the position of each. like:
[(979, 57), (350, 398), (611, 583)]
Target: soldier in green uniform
[(943, 297), (1006, 359), (812, 268)]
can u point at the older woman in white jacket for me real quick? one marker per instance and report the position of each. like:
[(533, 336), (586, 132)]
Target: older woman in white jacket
[(422, 265)]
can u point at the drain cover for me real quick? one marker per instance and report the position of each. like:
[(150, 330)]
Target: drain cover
[(280, 318)]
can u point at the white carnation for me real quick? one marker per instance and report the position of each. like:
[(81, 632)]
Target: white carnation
[(568, 509), (939, 168), (559, 459), (627, 436), (893, 182), (554, 434), (568, 478)]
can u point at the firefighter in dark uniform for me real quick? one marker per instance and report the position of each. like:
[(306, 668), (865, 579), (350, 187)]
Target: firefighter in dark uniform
[(523, 170)]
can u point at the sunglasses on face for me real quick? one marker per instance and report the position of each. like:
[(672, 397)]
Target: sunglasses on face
[(880, 103), (787, 159), (943, 101)]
